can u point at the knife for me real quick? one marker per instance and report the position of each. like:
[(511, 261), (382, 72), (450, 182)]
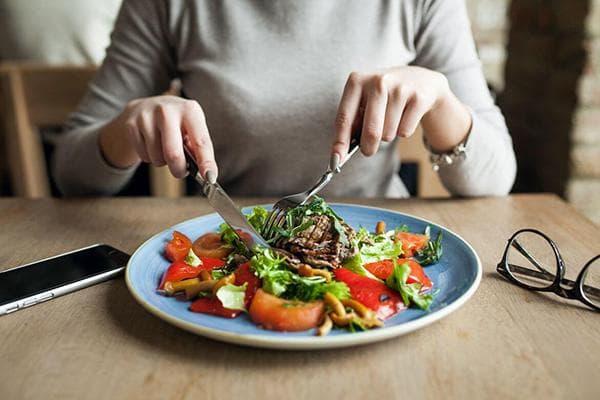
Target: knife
[(224, 206)]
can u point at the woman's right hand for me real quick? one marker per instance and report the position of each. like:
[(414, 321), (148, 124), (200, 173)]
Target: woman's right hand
[(154, 129)]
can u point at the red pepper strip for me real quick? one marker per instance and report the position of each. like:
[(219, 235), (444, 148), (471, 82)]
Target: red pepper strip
[(373, 294), (178, 247), (209, 263), (178, 271), (212, 305), (382, 269), (243, 274)]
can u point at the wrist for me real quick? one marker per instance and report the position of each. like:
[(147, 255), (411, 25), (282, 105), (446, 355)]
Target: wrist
[(115, 148)]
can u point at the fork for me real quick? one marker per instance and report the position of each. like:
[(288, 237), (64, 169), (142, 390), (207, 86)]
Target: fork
[(276, 216)]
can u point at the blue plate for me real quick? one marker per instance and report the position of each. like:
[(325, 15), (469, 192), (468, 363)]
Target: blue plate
[(456, 277)]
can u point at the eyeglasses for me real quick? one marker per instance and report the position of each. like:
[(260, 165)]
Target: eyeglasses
[(532, 261)]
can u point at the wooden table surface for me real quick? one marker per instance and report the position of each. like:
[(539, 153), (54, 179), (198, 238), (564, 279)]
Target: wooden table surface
[(505, 342)]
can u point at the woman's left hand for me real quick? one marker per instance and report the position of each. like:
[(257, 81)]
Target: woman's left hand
[(391, 103)]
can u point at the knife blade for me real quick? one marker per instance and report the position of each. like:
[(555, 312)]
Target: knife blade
[(224, 206)]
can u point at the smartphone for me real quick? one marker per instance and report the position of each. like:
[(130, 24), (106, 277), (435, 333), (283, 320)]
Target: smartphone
[(43, 280)]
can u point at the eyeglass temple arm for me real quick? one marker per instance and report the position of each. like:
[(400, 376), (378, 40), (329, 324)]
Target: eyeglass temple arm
[(528, 256), (567, 282)]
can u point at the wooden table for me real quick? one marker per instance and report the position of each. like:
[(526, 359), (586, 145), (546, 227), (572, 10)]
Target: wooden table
[(505, 342)]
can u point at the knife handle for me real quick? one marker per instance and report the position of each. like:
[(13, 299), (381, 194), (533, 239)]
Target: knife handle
[(192, 167)]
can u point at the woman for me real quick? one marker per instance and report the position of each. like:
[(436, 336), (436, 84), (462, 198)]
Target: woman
[(272, 84)]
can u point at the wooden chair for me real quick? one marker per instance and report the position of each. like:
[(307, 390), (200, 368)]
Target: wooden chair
[(37, 96)]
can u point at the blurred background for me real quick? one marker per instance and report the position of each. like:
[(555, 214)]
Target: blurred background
[(541, 59)]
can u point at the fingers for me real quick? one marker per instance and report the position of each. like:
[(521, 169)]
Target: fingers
[(171, 140), (197, 138), (158, 127), (393, 114), (412, 115), (373, 120), (347, 114)]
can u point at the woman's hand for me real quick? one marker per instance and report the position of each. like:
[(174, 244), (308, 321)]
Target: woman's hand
[(154, 129), (392, 103)]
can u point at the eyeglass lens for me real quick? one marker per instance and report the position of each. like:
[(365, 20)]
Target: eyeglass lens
[(591, 282), (531, 260)]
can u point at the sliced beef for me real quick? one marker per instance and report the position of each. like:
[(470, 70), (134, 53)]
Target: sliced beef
[(320, 245)]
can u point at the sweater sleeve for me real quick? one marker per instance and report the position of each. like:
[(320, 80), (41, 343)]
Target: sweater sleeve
[(444, 43), (138, 63)]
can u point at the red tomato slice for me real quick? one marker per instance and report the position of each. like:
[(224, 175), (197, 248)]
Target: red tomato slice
[(372, 293), (210, 245), (277, 314), (382, 269), (213, 306), (417, 274), (178, 271), (411, 242), (243, 274), (178, 247)]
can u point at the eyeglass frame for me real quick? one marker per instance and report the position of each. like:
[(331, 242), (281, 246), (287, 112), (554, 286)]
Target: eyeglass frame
[(575, 290)]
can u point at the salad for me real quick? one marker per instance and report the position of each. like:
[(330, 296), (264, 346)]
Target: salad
[(320, 272)]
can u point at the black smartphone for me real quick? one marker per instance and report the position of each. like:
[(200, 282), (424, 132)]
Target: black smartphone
[(43, 280)]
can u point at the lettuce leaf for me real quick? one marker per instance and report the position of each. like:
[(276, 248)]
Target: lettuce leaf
[(408, 291), (280, 281), (372, 248), (232, 296), (192, 259)]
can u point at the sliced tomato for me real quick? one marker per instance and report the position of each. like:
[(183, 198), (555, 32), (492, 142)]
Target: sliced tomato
[(210, 245), (178, 247), (411, 242), (209, 263), (382, 269), (212, 305), (277, 314), (243, 274), (372, 293), (178, 271)]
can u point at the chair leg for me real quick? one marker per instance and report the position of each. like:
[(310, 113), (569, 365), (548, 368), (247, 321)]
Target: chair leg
[(24, 145), (163, 184)]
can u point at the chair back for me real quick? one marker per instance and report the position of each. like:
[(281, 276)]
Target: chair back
[(34, 97)]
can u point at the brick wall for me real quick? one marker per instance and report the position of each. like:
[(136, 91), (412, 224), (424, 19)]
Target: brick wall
[(489, 25), (583, 187), (551, 98)]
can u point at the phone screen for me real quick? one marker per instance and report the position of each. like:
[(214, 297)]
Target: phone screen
[(58, 271)]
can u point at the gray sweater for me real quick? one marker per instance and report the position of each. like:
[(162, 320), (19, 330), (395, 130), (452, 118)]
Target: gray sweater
[(269, 76)]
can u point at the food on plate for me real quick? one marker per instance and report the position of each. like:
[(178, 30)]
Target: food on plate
[(320, 272)]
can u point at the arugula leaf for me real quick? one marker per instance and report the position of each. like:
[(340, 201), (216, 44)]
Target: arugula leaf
[(432, 252), (230, 238), (280, 281), (257, 218), (232, 296), (297, 219), (408, 291)]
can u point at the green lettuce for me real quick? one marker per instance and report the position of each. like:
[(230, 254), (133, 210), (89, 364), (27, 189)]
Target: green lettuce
[(232, 296), (280, 281), (372, 248), (408, 291), (192, 259)]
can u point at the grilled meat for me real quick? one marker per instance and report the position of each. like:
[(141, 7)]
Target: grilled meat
[(321, 245)]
